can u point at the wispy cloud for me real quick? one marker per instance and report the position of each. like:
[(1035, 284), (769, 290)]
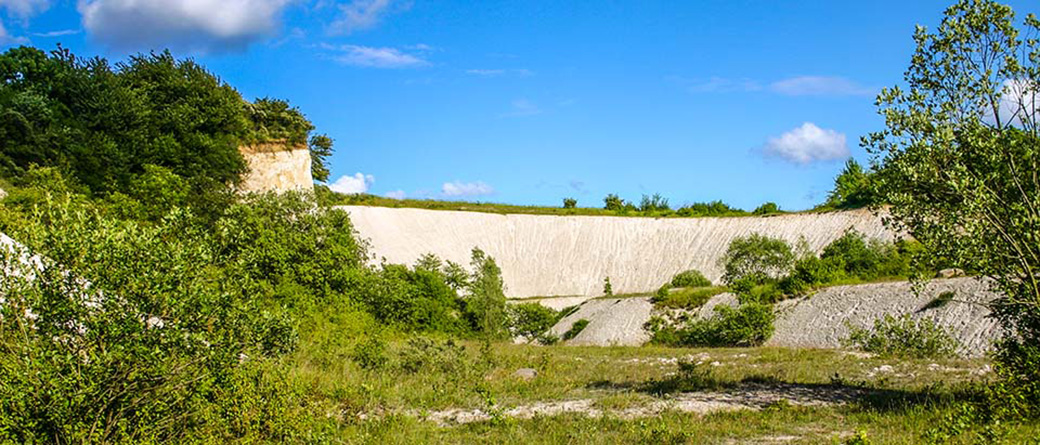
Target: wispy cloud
[(360, 15), (396, 194), (522, 108), (465, 189), (521, 72), (806, 144), (792, 86), (820, 86), (59, 33), (21, 10), (372, 57), (720, 85)]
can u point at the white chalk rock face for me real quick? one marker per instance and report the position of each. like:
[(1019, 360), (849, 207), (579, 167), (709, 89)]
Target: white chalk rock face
[(273, 167), (547, 255)]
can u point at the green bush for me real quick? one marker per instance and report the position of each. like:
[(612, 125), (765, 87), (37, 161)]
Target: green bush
[(370, 353), (575, 329), (768, 208), (530, 321), (124, 333), (904, 337), (750, 324), (570, 203), (690, 278), (756, 258), (425, 354), (687, 298)]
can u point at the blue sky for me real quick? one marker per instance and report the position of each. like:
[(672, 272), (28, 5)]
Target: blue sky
[(529, 102)]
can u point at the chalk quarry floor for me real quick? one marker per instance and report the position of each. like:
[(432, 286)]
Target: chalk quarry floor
[(748, 397)]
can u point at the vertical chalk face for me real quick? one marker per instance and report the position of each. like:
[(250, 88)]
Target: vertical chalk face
[(544, 255), (273, 167)]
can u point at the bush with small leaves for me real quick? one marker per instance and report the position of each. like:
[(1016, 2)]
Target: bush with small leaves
[(690, 278), (904, 337)]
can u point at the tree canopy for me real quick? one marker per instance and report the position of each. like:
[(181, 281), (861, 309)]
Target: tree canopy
[(960, 156), (102, 124)]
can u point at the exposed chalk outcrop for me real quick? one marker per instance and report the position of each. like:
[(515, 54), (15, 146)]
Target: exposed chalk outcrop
[(821, 320), (273, 167), (546, 255)]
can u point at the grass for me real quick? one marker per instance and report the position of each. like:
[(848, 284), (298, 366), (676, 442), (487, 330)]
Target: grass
[(360, 406), (498, 208), (687, 298)]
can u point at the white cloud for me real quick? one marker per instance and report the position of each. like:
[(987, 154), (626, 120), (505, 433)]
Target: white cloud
[(457, 188), (794, 86), (808, 143), (58, 33), (369, 57), (364, 14), (819, 86), (352, 185), (396, 194), (1019, 101), (24, 9), (522, 107), (189, 25), (21, 10)]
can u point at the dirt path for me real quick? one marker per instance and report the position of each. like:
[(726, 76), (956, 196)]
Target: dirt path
[(748, 397)]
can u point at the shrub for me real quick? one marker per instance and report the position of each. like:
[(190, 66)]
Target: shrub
[(613, 202), (575, 329), (570, 203), (650, 204), (690, 278), (608, 289), (904, 337), (486, 302), (748, 325), (756, 258), (125, 332), (530, 320), (425, 354), (370, 353), (767, 209)]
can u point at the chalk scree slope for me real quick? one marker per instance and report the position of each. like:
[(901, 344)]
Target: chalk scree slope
[(821, 320), (547, 255)]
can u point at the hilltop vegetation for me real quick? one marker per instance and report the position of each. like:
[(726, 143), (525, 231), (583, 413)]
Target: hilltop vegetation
[(102, 124)]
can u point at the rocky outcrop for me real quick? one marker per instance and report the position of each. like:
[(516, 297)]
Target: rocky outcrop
[(275, 167), (545, 255), (821, 320)]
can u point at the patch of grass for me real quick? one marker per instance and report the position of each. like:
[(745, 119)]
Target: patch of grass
[(686, 298), (693, 211), (575, 329)]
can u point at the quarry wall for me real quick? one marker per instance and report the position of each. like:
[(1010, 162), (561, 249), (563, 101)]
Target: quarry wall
[(547, 255), (273, 167)]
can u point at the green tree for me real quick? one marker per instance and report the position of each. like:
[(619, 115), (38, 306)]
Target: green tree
[(321, 149), (960, 154), (853, 188), (570, 203), (486, 302), (756, 258), (613, 202), (767, 209)]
